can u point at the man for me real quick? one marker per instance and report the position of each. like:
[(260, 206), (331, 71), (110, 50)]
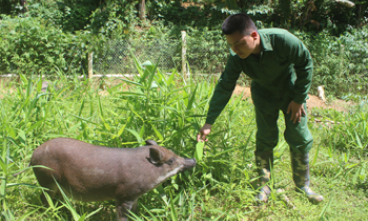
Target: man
[(281, 69)]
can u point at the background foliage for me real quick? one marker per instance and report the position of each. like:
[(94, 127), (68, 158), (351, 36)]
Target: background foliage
[(42, 34)]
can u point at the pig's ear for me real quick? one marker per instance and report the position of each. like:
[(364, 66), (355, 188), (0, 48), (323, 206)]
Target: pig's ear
[(156, 156), (151, 142)]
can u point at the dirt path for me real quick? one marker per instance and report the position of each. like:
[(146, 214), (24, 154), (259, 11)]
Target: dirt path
[(312, 102)]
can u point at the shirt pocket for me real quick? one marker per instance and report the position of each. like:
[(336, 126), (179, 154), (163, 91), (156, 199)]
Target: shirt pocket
[(274, 69)]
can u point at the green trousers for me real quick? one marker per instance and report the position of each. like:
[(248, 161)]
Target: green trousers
[(267, 108)]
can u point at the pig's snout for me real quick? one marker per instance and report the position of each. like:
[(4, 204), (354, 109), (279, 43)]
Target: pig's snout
[(189, 163)]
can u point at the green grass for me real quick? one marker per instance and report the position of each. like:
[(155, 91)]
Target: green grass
[(170, 110)]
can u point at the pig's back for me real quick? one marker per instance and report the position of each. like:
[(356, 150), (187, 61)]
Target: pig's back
[(75, 152), (81, 167)]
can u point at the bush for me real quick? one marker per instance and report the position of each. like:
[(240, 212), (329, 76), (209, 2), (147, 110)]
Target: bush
[(340, 63), (30, 45)]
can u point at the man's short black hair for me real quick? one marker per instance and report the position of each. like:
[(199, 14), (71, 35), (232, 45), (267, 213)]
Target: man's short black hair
[(239, 22)]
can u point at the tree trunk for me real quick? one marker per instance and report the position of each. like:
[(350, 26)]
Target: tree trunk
[(23, 3), (285, 8), (142, 10)]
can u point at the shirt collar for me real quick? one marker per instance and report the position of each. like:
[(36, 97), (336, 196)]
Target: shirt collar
[(232, 52), (265, 42)]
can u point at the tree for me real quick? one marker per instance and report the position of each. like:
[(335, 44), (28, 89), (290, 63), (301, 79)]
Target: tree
[(142, 10)]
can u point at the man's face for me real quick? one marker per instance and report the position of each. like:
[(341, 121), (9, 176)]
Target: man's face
[(242, 45)]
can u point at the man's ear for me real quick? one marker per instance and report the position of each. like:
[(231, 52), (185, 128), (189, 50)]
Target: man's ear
[(156, 157), (254, 34)]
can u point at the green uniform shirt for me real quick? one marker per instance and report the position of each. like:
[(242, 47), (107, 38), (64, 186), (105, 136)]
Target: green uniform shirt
[(283, 68)]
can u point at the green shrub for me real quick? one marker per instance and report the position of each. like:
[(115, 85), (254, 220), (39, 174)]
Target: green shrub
[(31, 45), (340, 63)]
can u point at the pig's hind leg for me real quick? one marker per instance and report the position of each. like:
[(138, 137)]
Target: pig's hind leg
[(51, 192), (123, 207), (51, 188)]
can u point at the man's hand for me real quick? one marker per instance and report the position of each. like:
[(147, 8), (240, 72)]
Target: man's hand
[(203, 132), (297, 111)]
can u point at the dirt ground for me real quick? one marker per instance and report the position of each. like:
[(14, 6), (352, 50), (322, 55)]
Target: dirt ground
[(313, 101)]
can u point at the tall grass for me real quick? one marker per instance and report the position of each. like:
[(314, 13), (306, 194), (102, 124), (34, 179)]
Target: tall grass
[(170, 110)]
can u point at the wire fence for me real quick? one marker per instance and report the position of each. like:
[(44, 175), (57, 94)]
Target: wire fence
[(117, 57), (202, 58)]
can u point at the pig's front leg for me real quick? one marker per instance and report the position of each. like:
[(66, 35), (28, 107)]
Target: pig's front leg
[(123, 207)]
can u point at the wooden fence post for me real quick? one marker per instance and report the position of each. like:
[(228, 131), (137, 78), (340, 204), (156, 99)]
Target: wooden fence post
[(90, 65), (142, 10), (184, 54)]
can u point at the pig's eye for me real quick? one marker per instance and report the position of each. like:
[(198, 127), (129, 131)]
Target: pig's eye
[(170, 161)]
